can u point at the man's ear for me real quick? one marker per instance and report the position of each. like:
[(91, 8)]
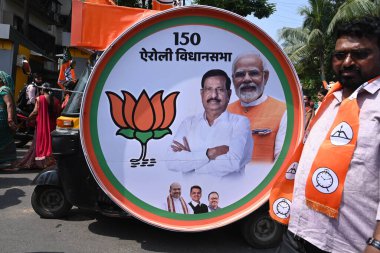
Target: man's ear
[(229, 92), (266, 76)]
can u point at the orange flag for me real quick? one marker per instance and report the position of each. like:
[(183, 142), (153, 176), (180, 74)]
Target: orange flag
[(96, 26), (66, 61)]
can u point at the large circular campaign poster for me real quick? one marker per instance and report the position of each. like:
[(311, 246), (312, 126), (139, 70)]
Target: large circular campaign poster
[(178, 154)]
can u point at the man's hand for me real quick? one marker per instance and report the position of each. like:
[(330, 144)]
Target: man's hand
[(371, 249), (213, 153), (178, 147)]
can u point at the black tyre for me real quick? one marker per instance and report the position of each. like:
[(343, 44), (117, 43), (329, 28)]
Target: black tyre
[(261, 232), (50, 202)]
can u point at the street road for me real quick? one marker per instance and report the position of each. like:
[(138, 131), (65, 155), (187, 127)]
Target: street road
[(22, 230)]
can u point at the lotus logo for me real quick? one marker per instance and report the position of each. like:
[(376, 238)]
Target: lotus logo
[(143, 119)]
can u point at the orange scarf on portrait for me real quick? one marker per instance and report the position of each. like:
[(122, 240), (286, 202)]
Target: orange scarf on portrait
[(171, 206)]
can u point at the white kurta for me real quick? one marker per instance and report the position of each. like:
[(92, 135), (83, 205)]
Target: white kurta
[(228, 129)]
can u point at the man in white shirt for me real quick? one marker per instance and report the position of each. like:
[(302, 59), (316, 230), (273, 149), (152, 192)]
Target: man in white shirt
[(31, 91), (215, 142), (174, 202)]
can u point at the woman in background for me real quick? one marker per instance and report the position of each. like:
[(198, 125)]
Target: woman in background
[(7, 119), (46, 112)]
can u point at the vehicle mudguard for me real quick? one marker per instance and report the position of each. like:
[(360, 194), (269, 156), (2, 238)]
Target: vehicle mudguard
[(47, 177)]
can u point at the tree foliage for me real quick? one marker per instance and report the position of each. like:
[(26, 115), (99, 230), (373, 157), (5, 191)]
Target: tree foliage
[(259, 8), (130, 3), (351, 9), (310, 47)]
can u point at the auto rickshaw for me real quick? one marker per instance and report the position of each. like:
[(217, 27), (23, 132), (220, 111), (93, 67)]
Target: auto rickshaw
[(70, 182)]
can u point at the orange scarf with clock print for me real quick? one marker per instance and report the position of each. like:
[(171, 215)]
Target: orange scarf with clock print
[(325, 182)]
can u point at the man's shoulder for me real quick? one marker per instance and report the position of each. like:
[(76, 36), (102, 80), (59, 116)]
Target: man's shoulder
[(269, 101), (275, 101), (237, 118)]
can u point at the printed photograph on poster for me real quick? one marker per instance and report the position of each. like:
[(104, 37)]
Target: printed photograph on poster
[(195, 105)]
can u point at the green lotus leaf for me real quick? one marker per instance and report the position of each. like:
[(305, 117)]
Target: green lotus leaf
[(126, 132), (144, 137), (158, 134)]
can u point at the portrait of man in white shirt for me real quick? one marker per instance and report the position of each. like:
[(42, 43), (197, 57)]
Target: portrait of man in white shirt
[(214, 142)]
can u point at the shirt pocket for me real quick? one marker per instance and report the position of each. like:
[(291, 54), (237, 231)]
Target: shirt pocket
[(367, 145)]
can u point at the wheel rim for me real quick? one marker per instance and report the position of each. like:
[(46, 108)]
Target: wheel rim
[(265, 228), (52, 200)]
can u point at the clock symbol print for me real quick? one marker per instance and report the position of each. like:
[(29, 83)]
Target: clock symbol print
[(325, 180), (282, 208)]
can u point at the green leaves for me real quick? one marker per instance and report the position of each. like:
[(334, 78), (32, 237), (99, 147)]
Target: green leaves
[(259, 8), (143, 137), (158, 134), (126, 132)]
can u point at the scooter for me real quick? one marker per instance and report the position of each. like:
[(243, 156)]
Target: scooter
[(25, 130)]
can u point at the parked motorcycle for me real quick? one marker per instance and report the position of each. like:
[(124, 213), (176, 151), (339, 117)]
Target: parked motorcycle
[(25, 130)]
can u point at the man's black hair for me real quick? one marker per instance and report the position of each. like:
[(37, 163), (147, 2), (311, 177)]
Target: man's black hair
[(195, 187), (216, 72), (367, 27), (212, 193)]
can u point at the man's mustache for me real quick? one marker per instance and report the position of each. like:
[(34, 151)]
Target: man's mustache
[(350, 68), (213, 99), (247, 85)]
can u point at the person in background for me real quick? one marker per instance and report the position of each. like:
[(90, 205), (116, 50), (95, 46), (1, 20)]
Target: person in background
[(70, 82), (32, 92), (46, 111), (7, 120), (320, 95), (309, 110)]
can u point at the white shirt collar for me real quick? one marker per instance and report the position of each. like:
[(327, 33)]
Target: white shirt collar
[(374, 86), (371, 88), (195, 203), (256, 102), (223, 116)]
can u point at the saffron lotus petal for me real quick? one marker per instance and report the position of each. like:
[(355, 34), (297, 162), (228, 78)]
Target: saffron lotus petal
[(158, 109), (143, 114), (129, 105), (116, 108), (169, 109)]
